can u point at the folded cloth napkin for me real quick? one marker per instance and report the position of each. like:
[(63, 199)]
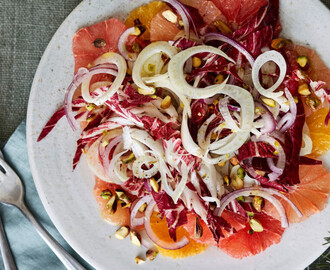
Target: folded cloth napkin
[(29, 250)]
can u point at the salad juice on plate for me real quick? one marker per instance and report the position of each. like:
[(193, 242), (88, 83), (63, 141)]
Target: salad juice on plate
[(202, 125)]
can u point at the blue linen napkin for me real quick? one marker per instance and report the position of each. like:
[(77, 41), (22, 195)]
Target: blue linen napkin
[(29, 250)]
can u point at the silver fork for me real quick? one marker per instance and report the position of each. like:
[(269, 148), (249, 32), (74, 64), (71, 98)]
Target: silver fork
[(12, 193), (8, 260)]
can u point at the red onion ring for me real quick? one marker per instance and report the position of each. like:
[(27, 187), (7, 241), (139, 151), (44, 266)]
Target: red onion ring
[(122, 45), (139, 221), (183, 14), (266, 193), (287, 120), (170, 246), (82, 74), (220, 37), (268, 118)]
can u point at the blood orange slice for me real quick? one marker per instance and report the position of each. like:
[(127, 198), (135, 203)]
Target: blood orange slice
[(310, 196), (93, 41), (159, 226), (243, 244)]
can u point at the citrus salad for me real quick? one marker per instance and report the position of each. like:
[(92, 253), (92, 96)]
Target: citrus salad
[(201, 124)]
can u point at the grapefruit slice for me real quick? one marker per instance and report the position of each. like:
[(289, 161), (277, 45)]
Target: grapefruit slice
[(235, 220), (310, 196), (122, 216), (159, 226), (161, 28), (318, 71), (93, 41), (243, 244)]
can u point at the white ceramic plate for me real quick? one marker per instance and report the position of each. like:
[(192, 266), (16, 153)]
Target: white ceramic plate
[(67, 195)]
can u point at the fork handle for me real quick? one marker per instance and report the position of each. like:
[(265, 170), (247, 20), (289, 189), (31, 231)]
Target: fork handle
[(68, 261), (8, 259)]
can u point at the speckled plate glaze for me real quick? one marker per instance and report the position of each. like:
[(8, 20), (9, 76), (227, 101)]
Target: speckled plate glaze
[(67, 195)]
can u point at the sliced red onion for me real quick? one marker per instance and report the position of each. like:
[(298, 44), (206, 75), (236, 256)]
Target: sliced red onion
[(268, 118), (220, 37), (82, 75), (122, 45), (266, 193), (287, 120), (170, 246), (135, 222)]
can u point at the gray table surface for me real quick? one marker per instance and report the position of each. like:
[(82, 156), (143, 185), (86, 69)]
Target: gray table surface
[(26, 27)]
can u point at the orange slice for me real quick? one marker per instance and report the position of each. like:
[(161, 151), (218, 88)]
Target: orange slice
[(159, 226), (145, 14)]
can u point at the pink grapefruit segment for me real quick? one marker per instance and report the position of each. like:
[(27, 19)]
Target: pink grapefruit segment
[(93, 41), (310, 196), (243, 244)]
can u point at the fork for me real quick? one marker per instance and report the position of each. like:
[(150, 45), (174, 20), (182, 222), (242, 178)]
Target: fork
[(12, 193), (7, 256)]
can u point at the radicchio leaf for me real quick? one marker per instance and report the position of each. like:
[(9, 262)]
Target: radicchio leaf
[(175, 213), (51, 123)]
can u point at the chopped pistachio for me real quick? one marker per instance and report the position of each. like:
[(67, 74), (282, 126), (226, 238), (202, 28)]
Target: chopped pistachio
[(112, 205), (135, 238), (241, 173), (240, 199), (136, 47), (198, 229), (151, 254), (142, 208), (196, 62), (296, 100), (278, 43), (122, 196), (277, 144), (219, 79), (137, 31), (303, 62), (256, 225), (268, 101), (258, 203), (181, 104), (170, 16), (166, 103), (312, 102), (129, 159), (104, 143), (222, 27), (234, 161), (250, 214), (106, 194), (226, 179), (214, 136), (181, 24), (221, 164), (154, 184), (99, 43), (236, 182), (303, 89), (90, 106), (139, 260), (146, 92), (122, 232)]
